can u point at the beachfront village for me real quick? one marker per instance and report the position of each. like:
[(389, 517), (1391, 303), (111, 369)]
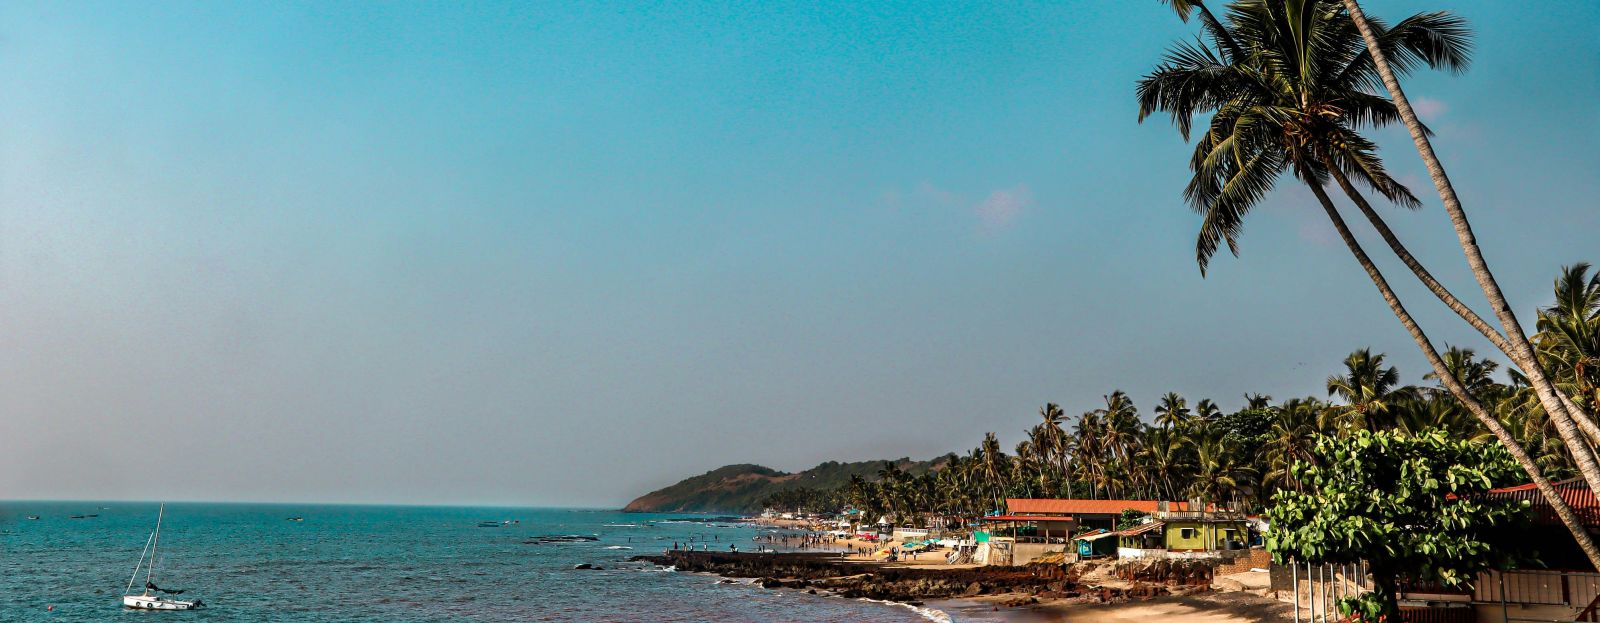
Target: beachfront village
[(1469, 497), (1382, 496), (1124, 557)]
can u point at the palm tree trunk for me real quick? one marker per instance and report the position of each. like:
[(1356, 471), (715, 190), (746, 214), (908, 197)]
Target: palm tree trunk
[(1499, 341), (1579, 533), (1522, 352)]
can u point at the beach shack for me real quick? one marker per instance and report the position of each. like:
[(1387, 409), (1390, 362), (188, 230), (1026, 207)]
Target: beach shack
[(1097, 543), (1021, 539)]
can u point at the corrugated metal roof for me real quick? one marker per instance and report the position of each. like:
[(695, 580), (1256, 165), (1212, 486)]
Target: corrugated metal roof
[(1095, 537), (1141, 528), (1029, 506), (1574, 492)]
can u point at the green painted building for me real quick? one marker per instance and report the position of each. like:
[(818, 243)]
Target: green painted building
[(1205, 535), (1186, 537)]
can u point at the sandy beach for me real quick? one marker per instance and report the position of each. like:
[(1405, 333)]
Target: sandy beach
[(1222, 607)]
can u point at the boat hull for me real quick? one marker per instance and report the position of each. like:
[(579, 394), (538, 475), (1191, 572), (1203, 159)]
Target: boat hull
[(148, 602)]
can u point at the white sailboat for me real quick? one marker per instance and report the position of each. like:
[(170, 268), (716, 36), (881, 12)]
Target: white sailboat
[(149, 600)]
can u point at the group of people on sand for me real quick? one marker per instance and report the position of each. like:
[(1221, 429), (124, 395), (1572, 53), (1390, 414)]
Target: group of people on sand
[(798, 541), (703, 544)]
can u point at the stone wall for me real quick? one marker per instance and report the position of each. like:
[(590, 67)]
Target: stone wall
[(1255, 558)]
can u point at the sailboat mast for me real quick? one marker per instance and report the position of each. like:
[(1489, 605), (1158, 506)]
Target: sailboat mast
[(155, 542), (142, 552)]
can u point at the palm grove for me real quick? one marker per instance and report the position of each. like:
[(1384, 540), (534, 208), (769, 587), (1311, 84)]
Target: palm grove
[(1276, 90), (1178, 449)]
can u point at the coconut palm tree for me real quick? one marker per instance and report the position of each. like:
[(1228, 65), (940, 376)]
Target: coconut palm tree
[(1091, 458), (1058, 445), (1571, 419), (1290, 440), (1160, 456), (1283, 82), (1416, 414), (1217, 469), (1206, 410), (1569, 334), (1172, 411), (1120, 419), (1477, 375), (992, 465), (1367, 388)]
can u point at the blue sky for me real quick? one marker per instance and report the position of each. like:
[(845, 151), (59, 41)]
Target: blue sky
[(563, 253)]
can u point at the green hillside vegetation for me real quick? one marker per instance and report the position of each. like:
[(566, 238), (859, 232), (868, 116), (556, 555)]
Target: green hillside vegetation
[(747, 488)]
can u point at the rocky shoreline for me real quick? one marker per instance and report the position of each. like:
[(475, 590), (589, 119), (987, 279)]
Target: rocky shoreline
[(826, 574)]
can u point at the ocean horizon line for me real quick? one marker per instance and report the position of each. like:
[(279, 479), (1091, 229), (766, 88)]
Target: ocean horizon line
[(586, 509)]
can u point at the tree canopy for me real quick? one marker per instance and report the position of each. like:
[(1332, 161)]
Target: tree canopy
[(1408, 505)]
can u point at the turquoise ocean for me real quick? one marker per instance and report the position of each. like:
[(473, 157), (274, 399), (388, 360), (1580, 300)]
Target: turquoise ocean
[(250, 563)]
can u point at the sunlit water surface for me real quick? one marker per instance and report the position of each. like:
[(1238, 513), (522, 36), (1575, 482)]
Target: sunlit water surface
[(249, 563)]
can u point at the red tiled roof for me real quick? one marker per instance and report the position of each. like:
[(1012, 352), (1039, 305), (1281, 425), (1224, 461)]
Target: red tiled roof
[(1575, 492), (1028, 518), (1029, 506)]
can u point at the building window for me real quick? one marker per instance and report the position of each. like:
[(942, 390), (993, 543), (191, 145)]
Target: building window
[(1186, 533)]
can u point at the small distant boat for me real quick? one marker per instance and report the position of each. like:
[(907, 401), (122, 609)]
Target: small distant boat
[(76, 517), (149, 600), (297, 519), (33, 516), (488, 524)]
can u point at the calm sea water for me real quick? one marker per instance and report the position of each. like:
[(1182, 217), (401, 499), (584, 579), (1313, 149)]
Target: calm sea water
[(383, 564)]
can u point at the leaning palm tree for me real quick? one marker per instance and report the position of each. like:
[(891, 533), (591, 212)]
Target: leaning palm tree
[(1283, 81), (1385, 58)]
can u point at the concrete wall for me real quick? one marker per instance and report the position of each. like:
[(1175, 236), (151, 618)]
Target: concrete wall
[(1131, 553), (1024, 553)]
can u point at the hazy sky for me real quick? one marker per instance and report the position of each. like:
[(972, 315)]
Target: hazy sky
[(565, 253)]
